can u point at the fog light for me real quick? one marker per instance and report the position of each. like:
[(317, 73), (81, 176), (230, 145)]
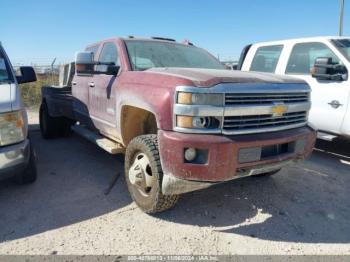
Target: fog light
[(12, 154), (190, 154)]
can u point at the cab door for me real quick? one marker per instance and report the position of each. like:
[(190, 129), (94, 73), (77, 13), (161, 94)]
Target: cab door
[(329, 98), (102, 92), (80, 92)]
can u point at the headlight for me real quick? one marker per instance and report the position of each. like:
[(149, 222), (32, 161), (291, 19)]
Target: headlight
[(12, 128), (200, 99)]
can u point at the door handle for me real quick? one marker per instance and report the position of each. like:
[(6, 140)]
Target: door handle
[(74, 83), (335, 104), (91, 84)]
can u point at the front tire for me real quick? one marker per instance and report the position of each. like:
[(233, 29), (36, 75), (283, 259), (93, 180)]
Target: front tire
[(143, 173)]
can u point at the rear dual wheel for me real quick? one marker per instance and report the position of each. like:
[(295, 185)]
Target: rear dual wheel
[(52, 127)]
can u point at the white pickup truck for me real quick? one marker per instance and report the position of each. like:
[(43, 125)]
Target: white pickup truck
[(323, 62), (17, 157)]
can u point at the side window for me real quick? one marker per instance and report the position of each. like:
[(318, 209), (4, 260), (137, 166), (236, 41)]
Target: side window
[(303, 56), (266, 58), (109, 54)]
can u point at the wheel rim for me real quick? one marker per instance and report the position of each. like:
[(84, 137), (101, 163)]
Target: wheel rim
[(140, 174)]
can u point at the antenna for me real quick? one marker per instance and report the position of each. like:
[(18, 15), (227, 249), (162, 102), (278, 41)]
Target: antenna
[(341, 17)]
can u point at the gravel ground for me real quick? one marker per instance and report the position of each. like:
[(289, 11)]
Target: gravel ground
[(304, 209)]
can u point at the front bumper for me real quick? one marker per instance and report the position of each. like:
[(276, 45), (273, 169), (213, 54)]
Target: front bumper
[(223, 163), (14, 159)]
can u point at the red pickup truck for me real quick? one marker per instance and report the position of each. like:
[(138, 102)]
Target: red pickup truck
[(182, 120)]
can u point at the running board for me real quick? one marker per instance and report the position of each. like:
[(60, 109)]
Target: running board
[(325, 136), (101, 141)]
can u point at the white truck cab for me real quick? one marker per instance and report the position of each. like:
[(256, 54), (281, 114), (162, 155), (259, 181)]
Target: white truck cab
[(323, 62), (17, 158)]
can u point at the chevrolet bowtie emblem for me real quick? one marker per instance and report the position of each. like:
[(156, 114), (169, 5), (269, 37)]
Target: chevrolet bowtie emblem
[(279, 109)]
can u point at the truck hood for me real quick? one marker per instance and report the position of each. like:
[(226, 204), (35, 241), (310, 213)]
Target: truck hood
[(211, 77), (8, 97)]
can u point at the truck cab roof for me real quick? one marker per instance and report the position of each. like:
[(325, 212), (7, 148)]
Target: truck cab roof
[(138, 38), (303, 39)]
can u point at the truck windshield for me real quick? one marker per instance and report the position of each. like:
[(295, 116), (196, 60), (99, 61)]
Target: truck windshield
[(144, 55), (5, 75), (343, 45)]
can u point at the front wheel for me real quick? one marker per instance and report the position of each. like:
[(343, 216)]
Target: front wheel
[(143, 173)]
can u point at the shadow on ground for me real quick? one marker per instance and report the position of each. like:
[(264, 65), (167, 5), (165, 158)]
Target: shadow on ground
[(306, 203), (340, 148), (72, 178)]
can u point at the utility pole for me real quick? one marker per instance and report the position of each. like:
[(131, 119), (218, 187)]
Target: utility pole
[(341, 17)]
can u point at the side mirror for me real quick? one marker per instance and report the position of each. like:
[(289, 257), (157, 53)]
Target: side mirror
[(325, 69), (85, 64), (27, 75)]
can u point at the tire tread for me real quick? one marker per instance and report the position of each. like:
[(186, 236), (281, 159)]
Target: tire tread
[(162, 202)]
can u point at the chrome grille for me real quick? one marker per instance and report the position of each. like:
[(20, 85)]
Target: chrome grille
[(247, 123), (248, 108), (266, 98), (263, 120)]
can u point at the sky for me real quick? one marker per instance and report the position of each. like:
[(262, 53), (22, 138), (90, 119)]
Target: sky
[(37, 31)]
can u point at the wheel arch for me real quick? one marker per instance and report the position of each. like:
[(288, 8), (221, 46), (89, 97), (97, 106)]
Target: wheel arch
[(136, 121)]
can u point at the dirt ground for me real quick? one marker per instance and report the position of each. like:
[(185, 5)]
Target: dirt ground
[(305, 209)]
